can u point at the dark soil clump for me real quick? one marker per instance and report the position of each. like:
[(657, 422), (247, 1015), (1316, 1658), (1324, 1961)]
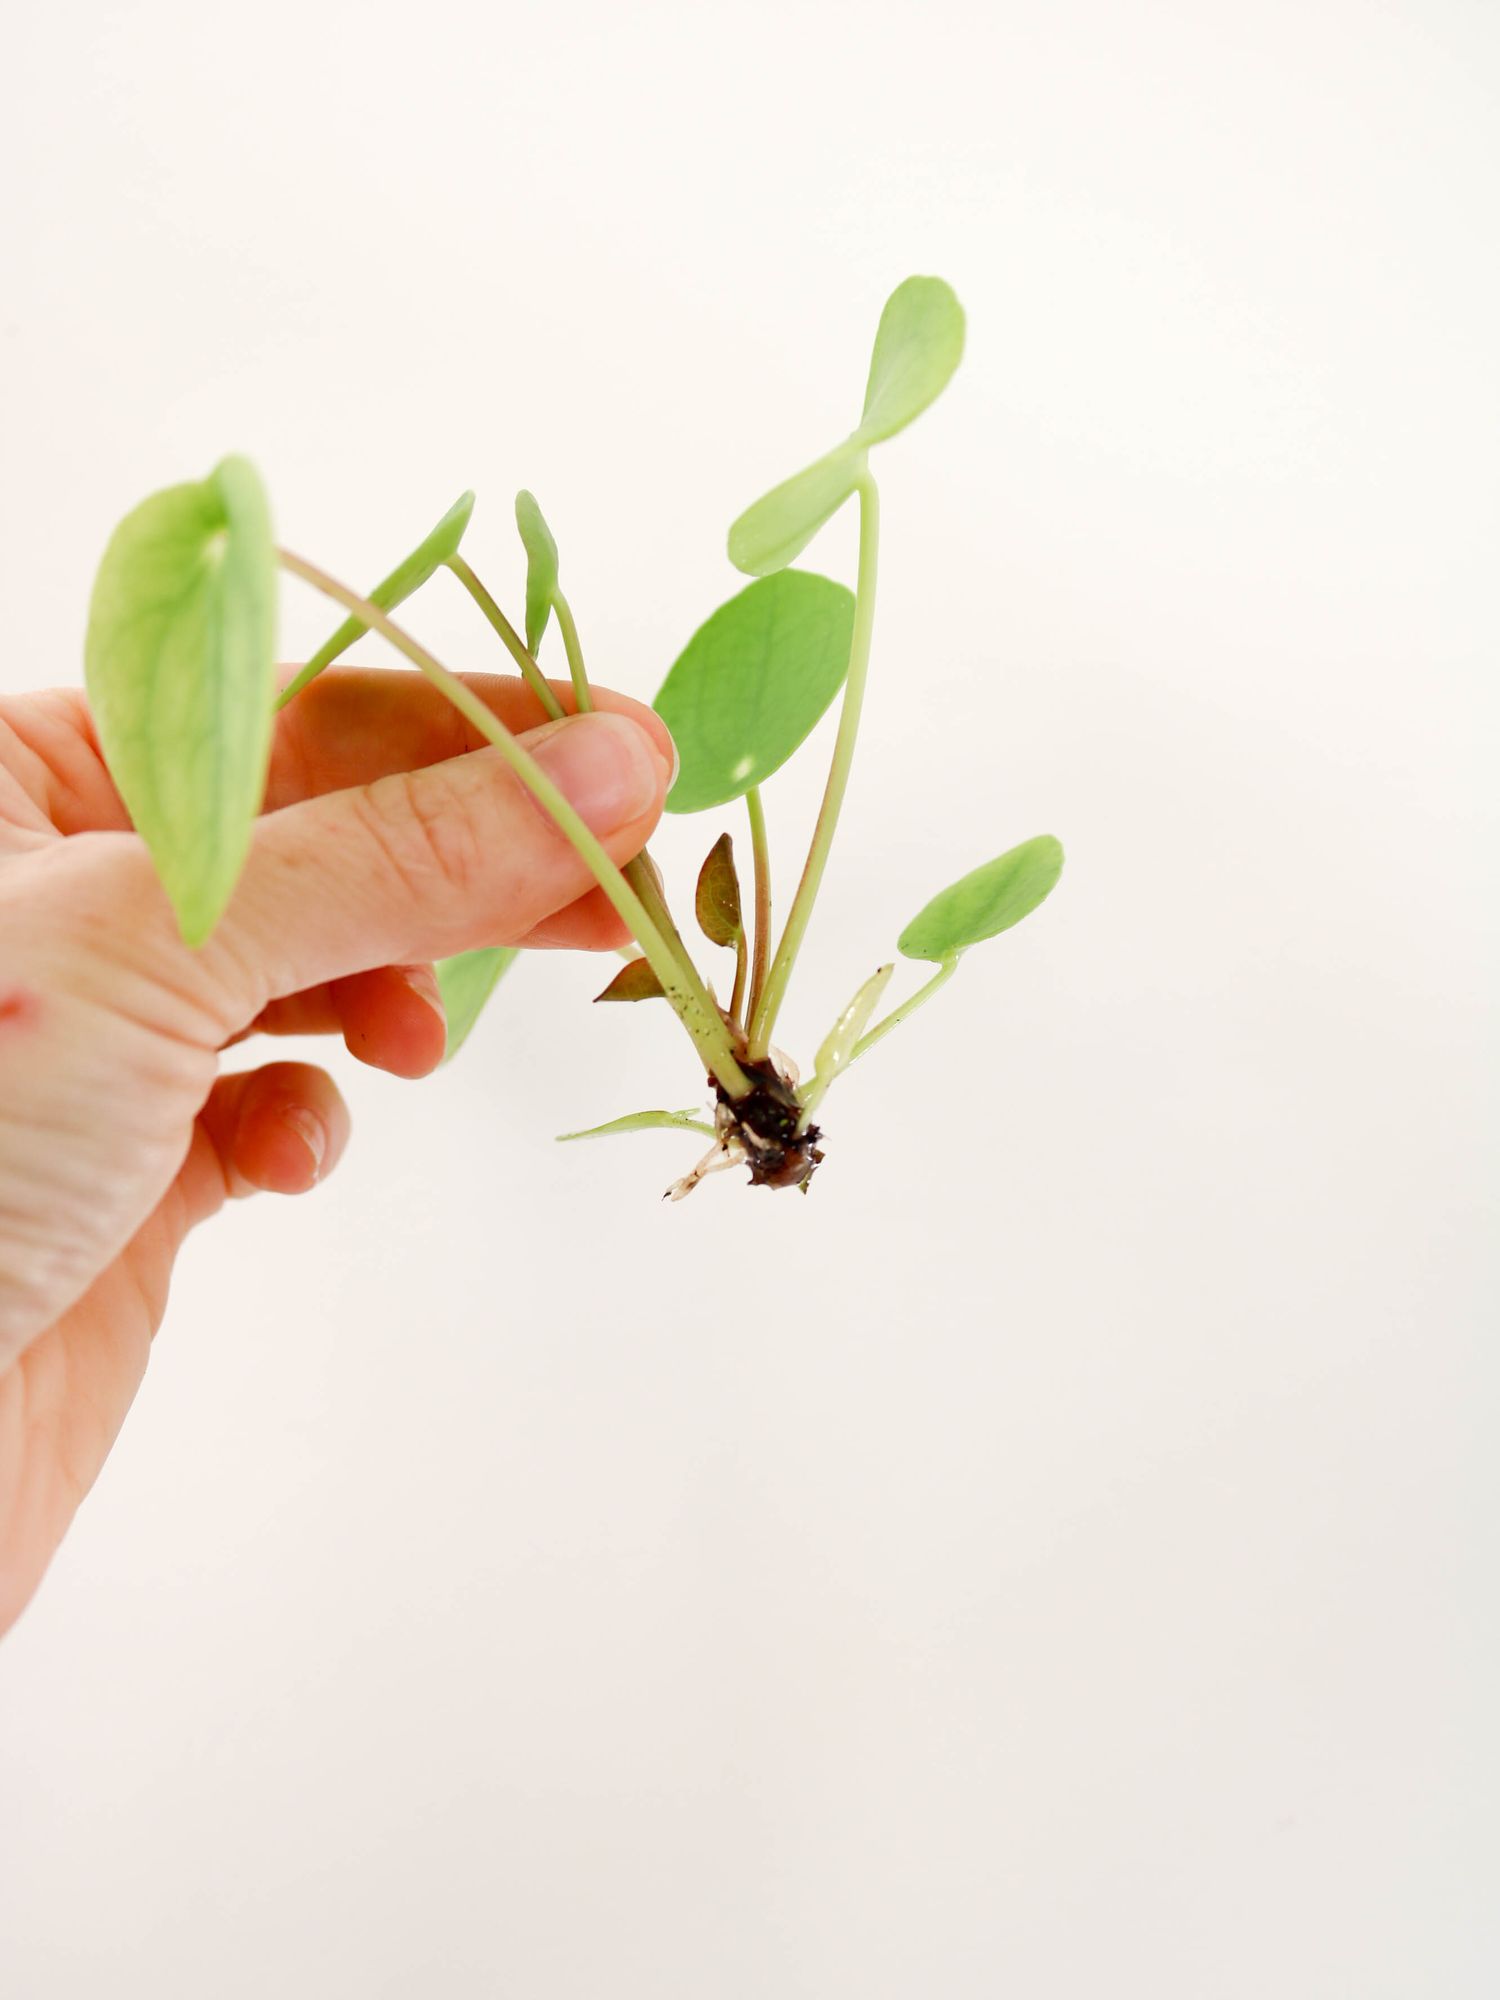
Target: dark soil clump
[(765, 1122)]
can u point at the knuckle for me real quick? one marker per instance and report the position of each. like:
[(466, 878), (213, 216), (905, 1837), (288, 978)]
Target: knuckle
[(424, 833)]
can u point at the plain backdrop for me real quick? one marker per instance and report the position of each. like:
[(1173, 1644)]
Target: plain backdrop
[(1057, 1558)]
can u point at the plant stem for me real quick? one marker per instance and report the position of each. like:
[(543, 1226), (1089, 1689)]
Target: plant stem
[(573, 650), (640, 873), (761, 855), (898, 1014), (642, 877), (769, 1006), (535, 679), (741, 976), (700, 1018)]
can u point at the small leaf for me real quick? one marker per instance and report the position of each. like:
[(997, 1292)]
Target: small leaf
[(838, 1043), (985, 902), (634, 981), (179, 663), (541, 568), (466, 983), (918, 344), (718, 900), (425, 560), (643, 1121), (775, 529), (752, 682)]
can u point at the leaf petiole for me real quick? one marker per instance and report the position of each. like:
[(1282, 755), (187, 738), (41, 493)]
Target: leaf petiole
[(741, 979), (642, 876), (574, 651), (898, 1014), (640, 873), (760, 854), (531, 673), (764, 1020)]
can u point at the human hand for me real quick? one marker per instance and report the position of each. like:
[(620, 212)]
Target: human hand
[(388, 838)]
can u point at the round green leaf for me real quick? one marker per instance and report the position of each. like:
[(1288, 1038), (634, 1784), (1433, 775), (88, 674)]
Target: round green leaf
[(985, 902), (918, 344), (466, 983), (541, 567), (179, 662), (775, 529), (425, 560), (752, 682)]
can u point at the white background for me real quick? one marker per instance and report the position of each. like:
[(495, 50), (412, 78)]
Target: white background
[(1058, 1557)]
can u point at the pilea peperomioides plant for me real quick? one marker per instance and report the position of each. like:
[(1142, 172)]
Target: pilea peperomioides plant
[(180, 671)]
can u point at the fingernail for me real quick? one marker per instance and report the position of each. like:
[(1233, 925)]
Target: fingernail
[(421, 980), (310, 1129), (676, 760), (607, 765)]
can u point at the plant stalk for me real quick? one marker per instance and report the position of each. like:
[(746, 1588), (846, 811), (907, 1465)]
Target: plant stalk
[(761, 855), (741, 978), (898, 1014), (641, 873), (531, 673), (574, 651), (698, 1016), (769, 1007), (642, 876)]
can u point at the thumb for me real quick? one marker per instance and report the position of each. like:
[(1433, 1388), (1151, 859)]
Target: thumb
[(426, 863)]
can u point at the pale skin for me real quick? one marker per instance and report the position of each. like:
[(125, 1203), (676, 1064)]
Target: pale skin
[(388, 839)]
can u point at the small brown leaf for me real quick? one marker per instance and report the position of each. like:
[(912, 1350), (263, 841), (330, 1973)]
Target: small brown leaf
[(719, 894), (634, 981)]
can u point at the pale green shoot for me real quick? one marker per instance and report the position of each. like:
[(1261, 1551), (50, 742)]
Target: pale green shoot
[(644, 1121), (838, 1045)]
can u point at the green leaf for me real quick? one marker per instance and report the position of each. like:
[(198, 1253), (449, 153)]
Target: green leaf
[(918, 344), (541, 568), (466, 982), (635, 980), (985, 902), (718, 897), (775, 529), (752, 682), (180, 667), (643, 1121), (404, 581)]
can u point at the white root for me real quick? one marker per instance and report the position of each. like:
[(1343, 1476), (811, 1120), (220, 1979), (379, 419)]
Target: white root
[(723, 1153)]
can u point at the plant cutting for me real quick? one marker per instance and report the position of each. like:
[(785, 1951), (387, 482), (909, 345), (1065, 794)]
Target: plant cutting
[(180, 669)]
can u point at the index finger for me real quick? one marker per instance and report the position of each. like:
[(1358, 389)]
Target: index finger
[(353, 725)]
